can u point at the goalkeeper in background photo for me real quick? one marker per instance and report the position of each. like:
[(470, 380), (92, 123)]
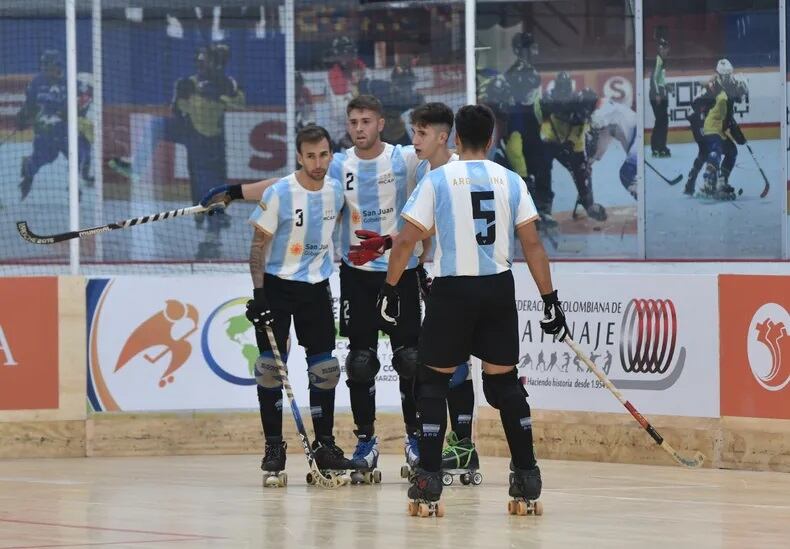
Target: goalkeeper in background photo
[(199, 108)]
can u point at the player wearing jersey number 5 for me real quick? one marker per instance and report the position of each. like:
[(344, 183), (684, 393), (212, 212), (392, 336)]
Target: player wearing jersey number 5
[(475, 207), (290, 263)]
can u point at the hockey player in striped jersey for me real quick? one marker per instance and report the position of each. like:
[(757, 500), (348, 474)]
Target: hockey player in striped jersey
[(476, 209), (290, 264)]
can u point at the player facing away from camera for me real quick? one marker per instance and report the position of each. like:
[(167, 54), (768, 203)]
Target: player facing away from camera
[(290, 264), (475, 208), (432, 124)]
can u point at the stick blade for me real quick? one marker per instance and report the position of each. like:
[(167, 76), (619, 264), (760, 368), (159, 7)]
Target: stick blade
[(692, 463), (677, 180), (25, 232), (765, 190)]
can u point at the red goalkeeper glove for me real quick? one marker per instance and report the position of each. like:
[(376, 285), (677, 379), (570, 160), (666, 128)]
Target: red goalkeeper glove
[(372, 246)]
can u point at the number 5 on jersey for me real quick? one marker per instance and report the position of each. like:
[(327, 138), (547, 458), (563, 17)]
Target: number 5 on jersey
[(486, 215)]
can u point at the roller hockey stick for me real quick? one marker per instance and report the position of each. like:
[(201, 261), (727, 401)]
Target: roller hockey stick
[(333, 481), (692, 462), (30, 236), (675, 181), (765, 179)]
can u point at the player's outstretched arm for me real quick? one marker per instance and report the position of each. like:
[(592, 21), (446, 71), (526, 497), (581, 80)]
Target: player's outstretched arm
[(226, 194)]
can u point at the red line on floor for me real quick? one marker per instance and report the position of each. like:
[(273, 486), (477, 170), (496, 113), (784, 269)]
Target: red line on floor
[(97, 543), (105, 529)]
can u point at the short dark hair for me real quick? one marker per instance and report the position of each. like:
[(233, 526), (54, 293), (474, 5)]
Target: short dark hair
[(312, 133), (474, 125), (432, 114), (365, 102)]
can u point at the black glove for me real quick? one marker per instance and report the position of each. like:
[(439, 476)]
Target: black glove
[(388, 306), (424, 281), (258, 311), (553, 322)]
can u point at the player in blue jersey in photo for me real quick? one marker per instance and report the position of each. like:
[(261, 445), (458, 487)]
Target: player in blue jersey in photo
[(290, 263), (45, 110), (476, 209)]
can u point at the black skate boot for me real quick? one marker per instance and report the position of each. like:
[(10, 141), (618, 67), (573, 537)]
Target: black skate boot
[(460, 458), (329, 459), (273, 463), (725, 191), (596, 211), (424, 494), (690, 186), (525, 487)]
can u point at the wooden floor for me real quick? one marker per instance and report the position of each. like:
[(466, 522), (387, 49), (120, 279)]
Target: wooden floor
[(218, 501)]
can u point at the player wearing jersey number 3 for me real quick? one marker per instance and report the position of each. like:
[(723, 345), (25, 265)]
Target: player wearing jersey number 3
[(475, 208), (290, 264)]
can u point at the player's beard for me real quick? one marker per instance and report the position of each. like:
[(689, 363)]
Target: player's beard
[(365, 143), (317, 175)]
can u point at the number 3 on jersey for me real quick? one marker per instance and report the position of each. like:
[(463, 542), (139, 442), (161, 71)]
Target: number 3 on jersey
[(486, 215)]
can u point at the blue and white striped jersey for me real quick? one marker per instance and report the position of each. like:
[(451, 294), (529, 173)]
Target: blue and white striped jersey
[(376, 191), (301, 223), (475, 206)]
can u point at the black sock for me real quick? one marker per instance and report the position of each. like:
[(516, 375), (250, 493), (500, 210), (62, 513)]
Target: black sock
[(461, 403), (271, 405), (431, 390), (363, 404), (511, 399), (408, 404), (322, 410)]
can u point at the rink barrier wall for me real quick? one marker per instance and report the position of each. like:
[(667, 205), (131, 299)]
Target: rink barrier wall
[(71, 430)]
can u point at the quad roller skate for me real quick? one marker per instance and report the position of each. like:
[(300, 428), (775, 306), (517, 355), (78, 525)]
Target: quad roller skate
[(330, 461), (525, 486), (365, 460), (424, 494), (412, 452), (460, 459), (273, 463)]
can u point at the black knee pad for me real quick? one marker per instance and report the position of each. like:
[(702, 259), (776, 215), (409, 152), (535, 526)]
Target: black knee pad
[(500, 388), (362, 366), (431, 384), (404, 361)]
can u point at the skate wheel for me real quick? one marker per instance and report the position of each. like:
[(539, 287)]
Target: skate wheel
[(357, 478), (309, 478), (465, 479), (511, 507), (271, 481), (537, 507), (283, 479), (377, 476), (368, 478), (522, 508), (413, 508), (405, 471), (447, 479), (477, 479), (439, 509), (424, 510)]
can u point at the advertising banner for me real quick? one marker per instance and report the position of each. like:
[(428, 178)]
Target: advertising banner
[(755, 347), (28, 343), (183, 343), (654, 337)]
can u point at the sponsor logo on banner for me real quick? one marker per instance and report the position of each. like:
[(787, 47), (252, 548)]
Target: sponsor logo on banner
[(648, 341), (186, 343), (767, 337), (637, 330), (28, 343), (755, 346)]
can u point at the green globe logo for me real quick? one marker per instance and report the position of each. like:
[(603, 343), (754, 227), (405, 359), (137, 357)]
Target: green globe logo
[(229, 337)]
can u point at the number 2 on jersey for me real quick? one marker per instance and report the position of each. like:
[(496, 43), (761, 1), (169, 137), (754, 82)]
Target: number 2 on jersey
[(486, 215)]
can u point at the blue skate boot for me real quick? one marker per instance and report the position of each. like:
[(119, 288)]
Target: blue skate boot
[(365, 460)]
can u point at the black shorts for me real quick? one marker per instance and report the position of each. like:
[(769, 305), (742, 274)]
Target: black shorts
[(359, 320), (310, 305), (470, 315)]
